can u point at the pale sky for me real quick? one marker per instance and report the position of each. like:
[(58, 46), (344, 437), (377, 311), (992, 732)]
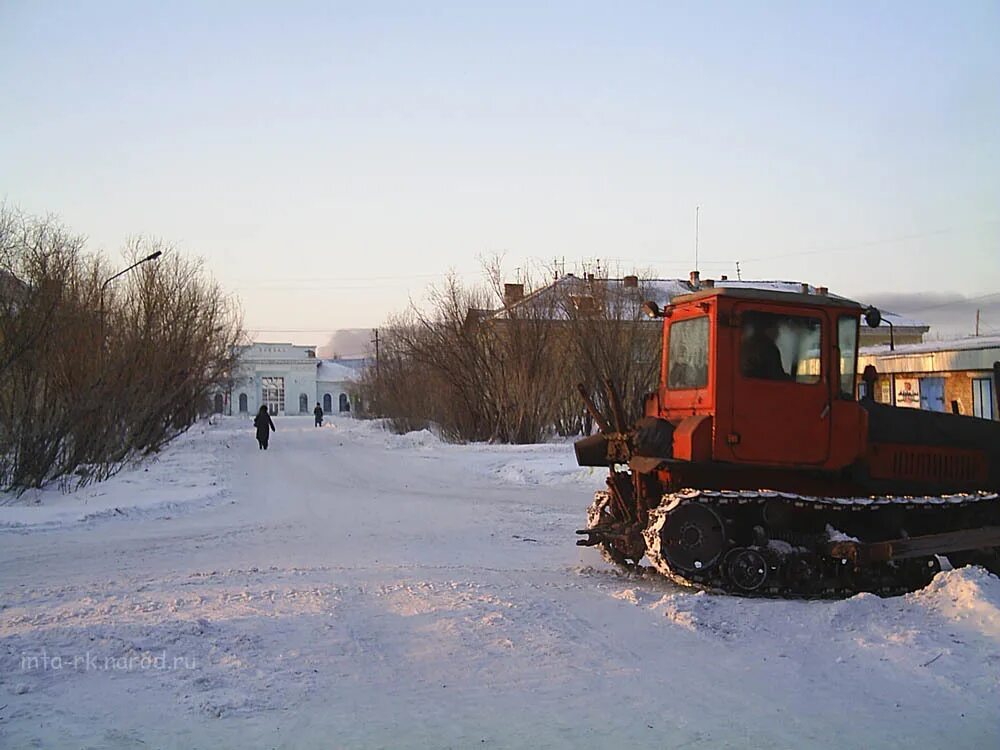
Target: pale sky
[(330, 160)]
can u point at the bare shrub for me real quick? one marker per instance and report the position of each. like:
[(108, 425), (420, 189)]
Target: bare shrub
[(95, 375), (610, 339), (510, 376)]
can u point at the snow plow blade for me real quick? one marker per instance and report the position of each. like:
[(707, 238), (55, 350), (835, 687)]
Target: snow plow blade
[(592, 451)]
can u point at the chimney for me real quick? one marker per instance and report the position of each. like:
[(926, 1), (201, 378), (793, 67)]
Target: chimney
[(709, 283), (590, 277), (822, 290), (631, 282), (724, 278), (695, 276), (512, 293), (804, 288)]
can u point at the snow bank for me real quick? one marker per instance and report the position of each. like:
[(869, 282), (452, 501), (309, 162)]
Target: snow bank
[(420, 439), (541, 465), (191, 472)]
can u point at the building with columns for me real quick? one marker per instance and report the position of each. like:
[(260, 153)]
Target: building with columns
[(288, 379)]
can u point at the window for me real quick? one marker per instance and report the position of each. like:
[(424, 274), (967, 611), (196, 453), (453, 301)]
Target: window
[(687, 355), (327, 403), (219, 403), (781, 347), (303, 403), (345, 403), (243, 403), (272, 391), (982, 398), (847, 341)]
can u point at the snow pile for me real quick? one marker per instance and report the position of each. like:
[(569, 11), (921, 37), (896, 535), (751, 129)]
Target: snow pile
[(968, 600), (545, 467), (420, 439), (191, 472)]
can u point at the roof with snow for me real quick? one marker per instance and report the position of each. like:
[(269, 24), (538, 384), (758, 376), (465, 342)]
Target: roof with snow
[(968, 343), (899, 321), (663, 292), (331, 371), (970, 354)]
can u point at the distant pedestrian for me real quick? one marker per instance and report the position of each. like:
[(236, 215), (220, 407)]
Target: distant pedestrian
[(318, 413), (264, 427)]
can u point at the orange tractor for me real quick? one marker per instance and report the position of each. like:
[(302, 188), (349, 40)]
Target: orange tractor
[(756, 470)]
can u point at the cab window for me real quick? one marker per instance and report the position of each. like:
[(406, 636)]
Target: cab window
[(781, 347), (847, 341), (687, 354)]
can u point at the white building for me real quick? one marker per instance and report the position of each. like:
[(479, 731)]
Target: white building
[(288, 379), (332, 386)]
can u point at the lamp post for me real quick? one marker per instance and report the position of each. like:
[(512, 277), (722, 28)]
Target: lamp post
[(152, 256)]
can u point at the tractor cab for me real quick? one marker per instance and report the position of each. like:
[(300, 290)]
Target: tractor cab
[(758, 376)]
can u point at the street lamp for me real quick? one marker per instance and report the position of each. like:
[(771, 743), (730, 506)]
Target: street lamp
[(152, 256)]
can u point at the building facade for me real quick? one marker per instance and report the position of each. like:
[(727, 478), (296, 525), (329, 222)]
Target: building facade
[(958, 375), (288, 380)]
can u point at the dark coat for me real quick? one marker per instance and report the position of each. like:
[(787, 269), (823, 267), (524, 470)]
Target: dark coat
[(760, 358), (263, 423), (318, 412)]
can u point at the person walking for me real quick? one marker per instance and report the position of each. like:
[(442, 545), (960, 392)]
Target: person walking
[(318, 413), (264, 427)]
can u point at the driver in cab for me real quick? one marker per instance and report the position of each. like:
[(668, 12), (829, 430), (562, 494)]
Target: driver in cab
[(759, 354)]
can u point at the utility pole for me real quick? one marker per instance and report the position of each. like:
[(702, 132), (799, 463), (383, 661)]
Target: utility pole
[(375, 341), (977, 322)]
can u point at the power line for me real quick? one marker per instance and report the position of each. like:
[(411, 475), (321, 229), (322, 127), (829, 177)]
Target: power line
[(342, 279), (852, 246), (325, 288), (954, 302), (818, 250), (303, 330), (318, 283)]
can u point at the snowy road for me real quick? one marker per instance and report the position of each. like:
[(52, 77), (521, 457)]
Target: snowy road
[(351, 588)]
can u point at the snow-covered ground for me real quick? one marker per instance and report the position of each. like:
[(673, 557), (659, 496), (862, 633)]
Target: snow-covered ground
[(352, 588)]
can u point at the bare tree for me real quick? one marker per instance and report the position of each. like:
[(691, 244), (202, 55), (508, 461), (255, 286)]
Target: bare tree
[(479, 373), (610, 339), (95, 377)]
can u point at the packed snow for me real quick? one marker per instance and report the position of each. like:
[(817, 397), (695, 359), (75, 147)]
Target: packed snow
[(354, 588)]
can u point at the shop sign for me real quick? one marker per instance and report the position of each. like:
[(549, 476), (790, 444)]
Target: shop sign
[(908, 392)]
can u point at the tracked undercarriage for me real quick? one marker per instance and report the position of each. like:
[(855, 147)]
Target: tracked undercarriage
[(758, 543)]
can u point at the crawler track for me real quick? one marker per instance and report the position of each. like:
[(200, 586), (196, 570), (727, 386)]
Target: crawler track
[(772, 544)]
